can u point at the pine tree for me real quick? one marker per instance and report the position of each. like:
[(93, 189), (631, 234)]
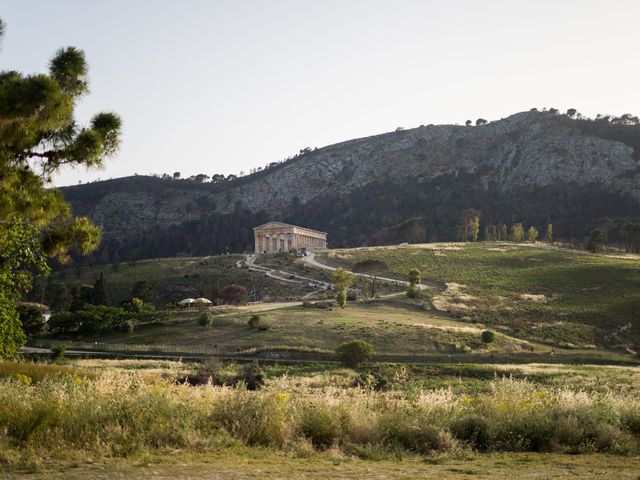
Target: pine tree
[(38, 136)]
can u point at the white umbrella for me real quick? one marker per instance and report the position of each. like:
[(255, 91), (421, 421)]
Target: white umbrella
[(186, 301), (202, 300)]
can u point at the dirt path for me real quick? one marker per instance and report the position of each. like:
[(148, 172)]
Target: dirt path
[(311, 260)]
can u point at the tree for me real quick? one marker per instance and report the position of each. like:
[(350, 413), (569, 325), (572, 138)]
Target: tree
[(31, 318), (142, 290), (595, 240), (481, 121), (571, 112), (342, 280), (503, 232), (38, 136), (19, 257), (468, 122), (100, 291), (201, 178), (215, 292), (606, 224), (234, 294), (353, 354), (631, 232), (415, 277), (549, 236), (60, 299), (532, 234), (176, 175), (517, 232), (470, 224)]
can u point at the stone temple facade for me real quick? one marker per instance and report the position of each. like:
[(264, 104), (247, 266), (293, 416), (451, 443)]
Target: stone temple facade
[(274, 237)]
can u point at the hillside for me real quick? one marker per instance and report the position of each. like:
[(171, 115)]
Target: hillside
[(554, 296), (536, 296), (169, 280), (532, 167)]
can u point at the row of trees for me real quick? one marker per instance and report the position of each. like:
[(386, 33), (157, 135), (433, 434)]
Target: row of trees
[(470, 230)]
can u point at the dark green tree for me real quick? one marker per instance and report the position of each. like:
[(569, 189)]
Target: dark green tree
[(31, 318), (38, 136), (595, 240), (58, 297), (142, 290), (100, 291)]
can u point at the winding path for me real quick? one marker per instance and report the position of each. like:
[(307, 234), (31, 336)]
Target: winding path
[(311, 260)]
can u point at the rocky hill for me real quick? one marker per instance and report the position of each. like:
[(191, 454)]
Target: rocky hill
[(532, 167)]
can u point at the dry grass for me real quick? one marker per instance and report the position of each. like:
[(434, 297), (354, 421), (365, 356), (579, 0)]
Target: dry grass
[(123, 413)]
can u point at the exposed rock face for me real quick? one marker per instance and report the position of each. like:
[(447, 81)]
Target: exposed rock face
[(527, 150)]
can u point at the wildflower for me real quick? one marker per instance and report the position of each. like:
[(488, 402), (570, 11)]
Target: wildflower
[(23, 378)]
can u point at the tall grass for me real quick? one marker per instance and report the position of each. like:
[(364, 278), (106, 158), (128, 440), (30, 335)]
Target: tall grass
[(120, 413)]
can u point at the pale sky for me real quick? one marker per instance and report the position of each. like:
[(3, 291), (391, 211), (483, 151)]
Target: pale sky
[(206, 86)]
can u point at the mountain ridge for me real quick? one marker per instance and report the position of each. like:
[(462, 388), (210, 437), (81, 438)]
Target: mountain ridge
[(589, 166)]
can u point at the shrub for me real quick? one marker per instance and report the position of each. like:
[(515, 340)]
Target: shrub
[(488, 336), (255, 418), (205, 319), (375, 381), (234, 294), (127, 326), (474, 430), (319, 426), (254, 321), (353, 354), (253, 376), (58, 351)]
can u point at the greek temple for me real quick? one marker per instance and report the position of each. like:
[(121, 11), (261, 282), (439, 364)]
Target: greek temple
[(274, 237)]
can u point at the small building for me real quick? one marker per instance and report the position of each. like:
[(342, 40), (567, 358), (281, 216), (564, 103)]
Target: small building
[(274, 237)]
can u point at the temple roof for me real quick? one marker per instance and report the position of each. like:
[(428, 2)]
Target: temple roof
[(283, 225)]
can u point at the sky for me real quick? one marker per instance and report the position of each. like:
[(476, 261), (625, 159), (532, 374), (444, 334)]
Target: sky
[(208, 86)]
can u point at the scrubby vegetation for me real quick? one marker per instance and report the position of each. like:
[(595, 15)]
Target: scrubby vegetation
[(121, 413)]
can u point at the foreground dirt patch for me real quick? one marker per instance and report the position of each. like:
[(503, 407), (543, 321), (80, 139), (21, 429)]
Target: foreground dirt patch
[(265, 465)]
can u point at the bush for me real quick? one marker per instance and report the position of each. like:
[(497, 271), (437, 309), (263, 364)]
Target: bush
[(413, 292), (319, 426), (488, 336), (127, 326), (254, 321), (58, 351), (474, 430), (354, 353), (234, 294), (253, 376), (205, 319), (375, 381)]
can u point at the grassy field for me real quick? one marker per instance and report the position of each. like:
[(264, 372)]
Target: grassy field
[(392, 326), (117, 419), (558, 297), (172, 279)]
